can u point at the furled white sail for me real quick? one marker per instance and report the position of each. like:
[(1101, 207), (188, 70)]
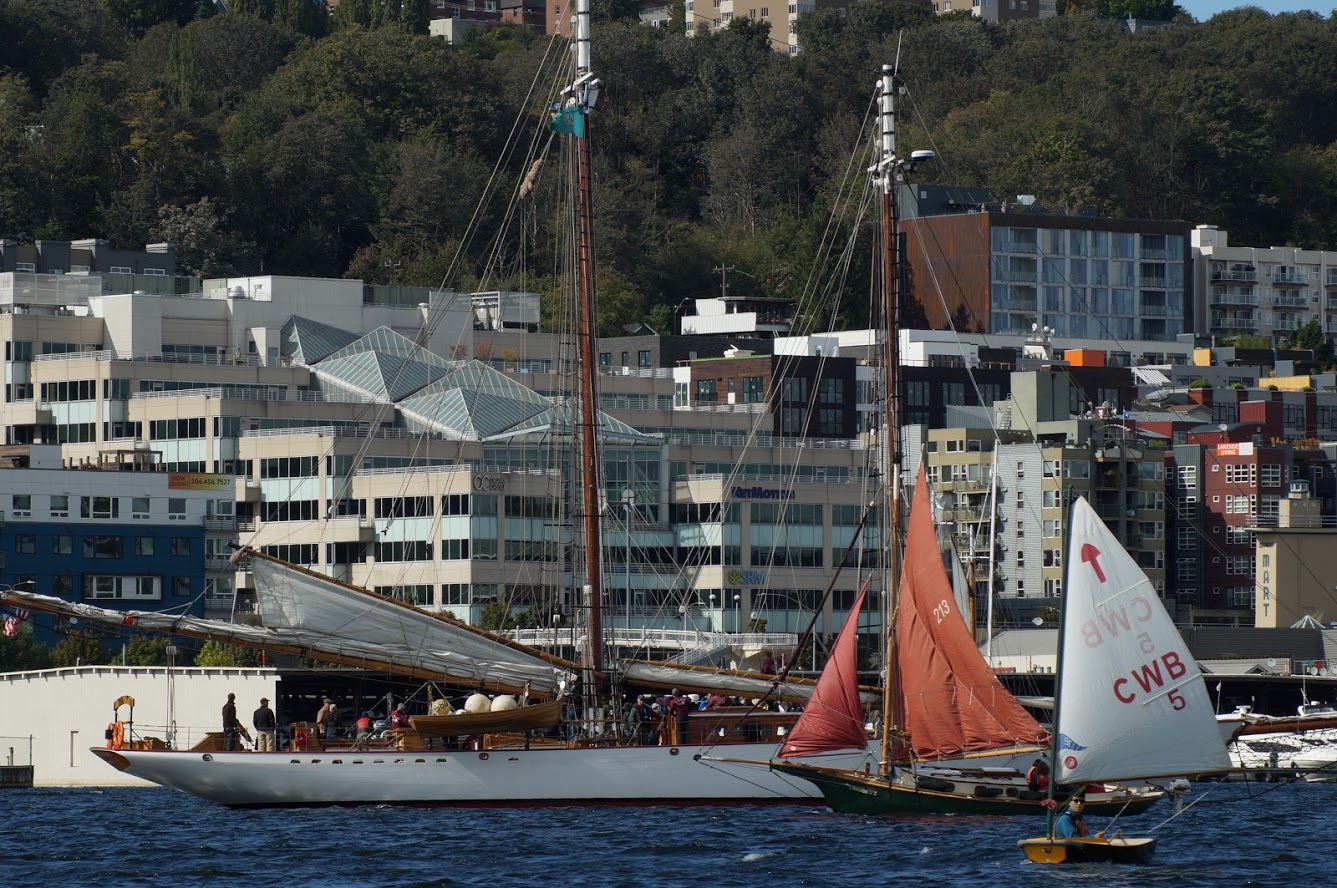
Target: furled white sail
[(391, 638), (1132, 703)]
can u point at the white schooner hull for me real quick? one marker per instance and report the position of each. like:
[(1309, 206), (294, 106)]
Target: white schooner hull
[(632, 775)]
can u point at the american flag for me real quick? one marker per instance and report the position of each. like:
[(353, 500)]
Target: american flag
[(14, 616)]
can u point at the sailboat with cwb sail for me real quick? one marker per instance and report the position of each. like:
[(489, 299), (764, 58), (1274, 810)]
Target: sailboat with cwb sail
[(1131, 703)]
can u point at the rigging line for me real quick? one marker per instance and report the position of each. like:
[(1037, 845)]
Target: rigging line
[(808, 296), (703, 758)]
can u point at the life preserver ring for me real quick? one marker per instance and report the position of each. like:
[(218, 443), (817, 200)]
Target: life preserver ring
[(300, 739), (116, 735)]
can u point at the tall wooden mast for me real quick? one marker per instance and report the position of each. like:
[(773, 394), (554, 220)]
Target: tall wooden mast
[(885, 176), (581, 96)]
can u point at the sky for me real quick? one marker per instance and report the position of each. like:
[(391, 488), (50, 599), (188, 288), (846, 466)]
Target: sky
[(1205, 9)]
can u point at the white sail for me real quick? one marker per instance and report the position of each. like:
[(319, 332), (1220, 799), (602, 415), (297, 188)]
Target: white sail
[(1132, 703)]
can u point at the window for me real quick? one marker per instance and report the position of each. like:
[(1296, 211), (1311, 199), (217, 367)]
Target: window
[(180, 546), (25, 543), (22, 505), (143, 545), (181, 587), (643, 358), (119, 587), (176, 510), (99, 507), (139, 507), (60, 506), (102, 546), (62, 544)]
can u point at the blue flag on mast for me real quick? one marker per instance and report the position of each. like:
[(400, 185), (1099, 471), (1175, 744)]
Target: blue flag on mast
[(570, 121)]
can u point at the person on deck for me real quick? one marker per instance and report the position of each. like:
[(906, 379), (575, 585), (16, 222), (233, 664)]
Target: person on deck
[(767, 664), (231, 726), (364, 725), (1070, 824), (265, 724), (399, 719), (680, 706), (327, 719), (1037, 778)]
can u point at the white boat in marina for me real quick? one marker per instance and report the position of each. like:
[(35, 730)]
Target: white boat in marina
[(1267, 745), (496, 777)]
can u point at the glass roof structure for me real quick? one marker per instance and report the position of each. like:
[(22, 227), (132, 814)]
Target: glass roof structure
[(463, 400)]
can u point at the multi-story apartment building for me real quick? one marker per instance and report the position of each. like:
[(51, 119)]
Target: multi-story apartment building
[(1227, 480), (997, 11), (115, 536), (1261, 290), (707, 16), (1005, 268), (1007, 491)]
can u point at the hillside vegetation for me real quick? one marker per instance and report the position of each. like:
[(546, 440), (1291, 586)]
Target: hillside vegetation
[(257, 142)]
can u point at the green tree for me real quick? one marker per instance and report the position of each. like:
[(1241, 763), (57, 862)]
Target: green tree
[(206, 246), (22, 651), (496, 616), (214, 653), (146, 650), (78, 650), (1310, 335)]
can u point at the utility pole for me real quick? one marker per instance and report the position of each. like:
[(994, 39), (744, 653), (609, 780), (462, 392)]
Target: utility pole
[(724, 278)]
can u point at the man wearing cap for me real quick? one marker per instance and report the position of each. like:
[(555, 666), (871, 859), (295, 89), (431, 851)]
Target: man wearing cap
[(264, 722), (327, 720)]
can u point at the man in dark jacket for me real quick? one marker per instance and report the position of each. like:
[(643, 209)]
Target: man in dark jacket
[(231, 727)]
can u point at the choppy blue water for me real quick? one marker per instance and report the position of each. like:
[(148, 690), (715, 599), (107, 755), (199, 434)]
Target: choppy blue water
[(1237, 835)]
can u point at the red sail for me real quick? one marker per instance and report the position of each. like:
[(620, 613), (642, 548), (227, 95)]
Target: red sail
[(952, 700), (833, 718)]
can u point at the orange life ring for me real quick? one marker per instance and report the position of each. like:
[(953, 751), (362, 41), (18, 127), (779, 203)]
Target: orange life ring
[(116, 735), (300, 739)]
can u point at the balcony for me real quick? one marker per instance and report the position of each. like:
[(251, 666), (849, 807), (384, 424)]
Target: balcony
[(1235, 274), (29, 412), (1232, 299), (226, 524), (1287, 302), (248, 489), (352, 528), (1290, 278)]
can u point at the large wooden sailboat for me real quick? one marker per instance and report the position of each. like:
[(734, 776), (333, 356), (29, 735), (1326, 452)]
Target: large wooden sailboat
[(954, 740), (311, 614)]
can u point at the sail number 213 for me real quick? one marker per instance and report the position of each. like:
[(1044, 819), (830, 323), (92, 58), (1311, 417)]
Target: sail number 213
[(941, 610)]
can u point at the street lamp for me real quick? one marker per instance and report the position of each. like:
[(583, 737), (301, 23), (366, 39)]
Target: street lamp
[(738, 612)]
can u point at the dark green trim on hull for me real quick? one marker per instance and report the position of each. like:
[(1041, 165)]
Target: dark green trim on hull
[(849, 792)]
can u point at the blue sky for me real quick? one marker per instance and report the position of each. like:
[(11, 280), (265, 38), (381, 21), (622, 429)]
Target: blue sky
[(1205, 9)]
